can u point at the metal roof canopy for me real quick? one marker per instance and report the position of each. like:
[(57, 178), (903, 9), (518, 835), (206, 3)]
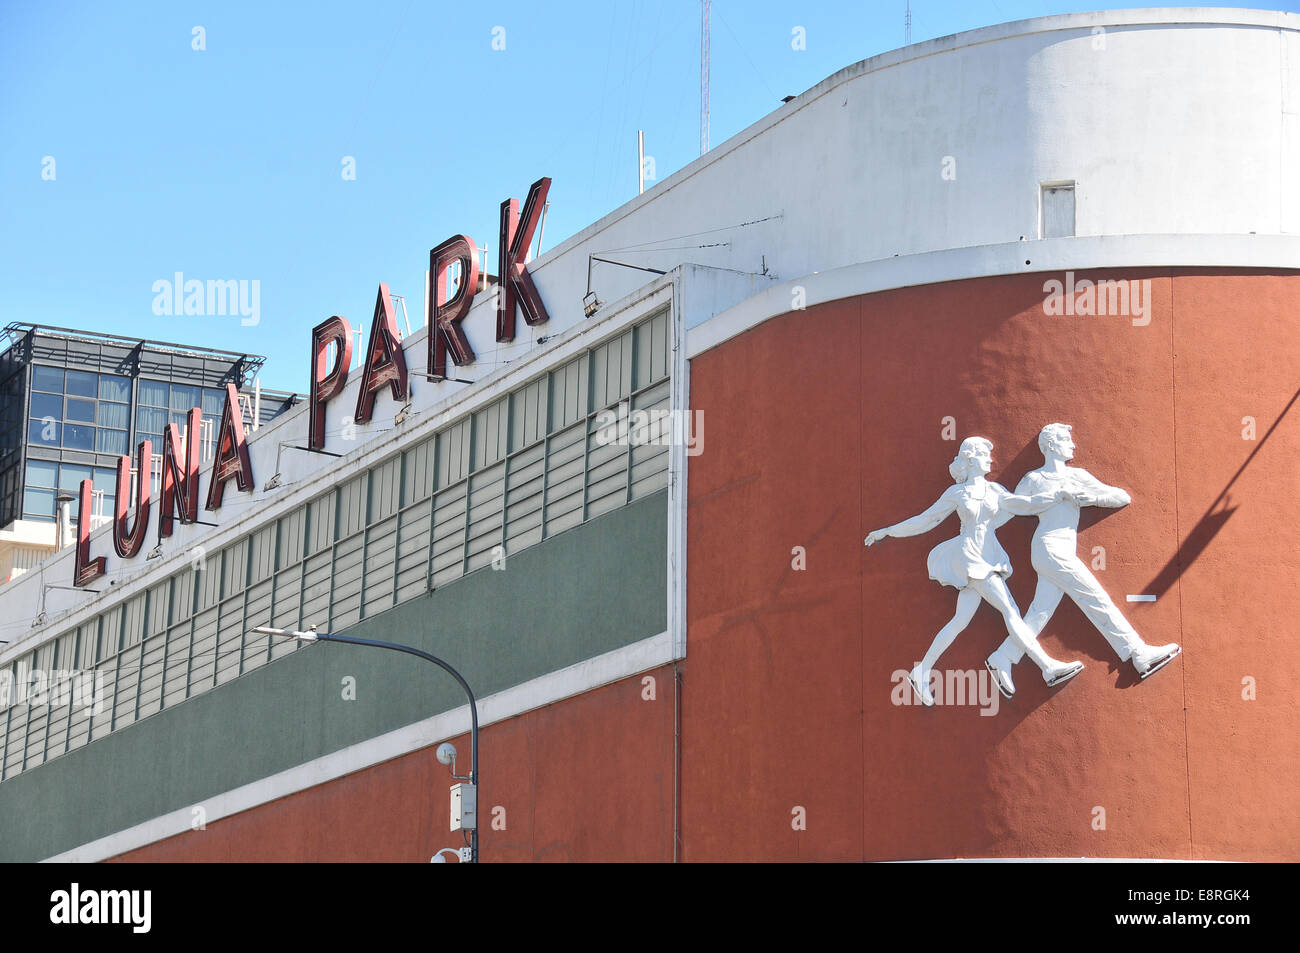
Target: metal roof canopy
[(247, 364)]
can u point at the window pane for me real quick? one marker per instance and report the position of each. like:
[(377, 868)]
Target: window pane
[(114, 388), (71, 475), (38, 504), (83, 383), (47, 405), (42, 473), (105, 479), (149, 420), (45, 434), (82, 411), (78, 437), (153, 393), (214, 401), (184, 396), (47, 379), (113, 415), (112, 441)]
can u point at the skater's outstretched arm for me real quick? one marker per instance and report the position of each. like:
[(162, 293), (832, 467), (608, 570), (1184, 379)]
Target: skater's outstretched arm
[(921, 523)]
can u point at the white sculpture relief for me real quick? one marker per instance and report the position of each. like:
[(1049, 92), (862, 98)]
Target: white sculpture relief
[(974, 562), (1061, 572)]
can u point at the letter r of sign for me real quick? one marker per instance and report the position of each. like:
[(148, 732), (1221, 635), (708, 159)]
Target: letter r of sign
[(445, 314)]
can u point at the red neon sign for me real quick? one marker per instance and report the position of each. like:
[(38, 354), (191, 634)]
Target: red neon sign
[(128, 542), (327, 381), (385, 366), (516, 284), (445, 314), (180, 487), (385, 359), (84, 569), (232, 452)]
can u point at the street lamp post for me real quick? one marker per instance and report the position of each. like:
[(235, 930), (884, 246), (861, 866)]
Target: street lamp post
[(313, 636)]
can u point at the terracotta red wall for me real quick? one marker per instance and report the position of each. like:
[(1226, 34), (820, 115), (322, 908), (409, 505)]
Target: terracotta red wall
[(589, 778), (824, 424)]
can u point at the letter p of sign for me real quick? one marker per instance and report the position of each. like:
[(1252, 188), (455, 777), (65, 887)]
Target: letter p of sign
[(327, 381)]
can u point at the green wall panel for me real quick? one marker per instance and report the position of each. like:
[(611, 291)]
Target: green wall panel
[(592, 589)]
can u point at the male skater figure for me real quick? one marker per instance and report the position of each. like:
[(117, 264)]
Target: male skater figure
[(1061, 572)]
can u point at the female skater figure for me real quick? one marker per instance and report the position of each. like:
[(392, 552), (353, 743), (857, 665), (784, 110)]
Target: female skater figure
[(974, 562)]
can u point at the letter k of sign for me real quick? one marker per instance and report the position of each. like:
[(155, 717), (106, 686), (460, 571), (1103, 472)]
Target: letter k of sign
[(516, 284)]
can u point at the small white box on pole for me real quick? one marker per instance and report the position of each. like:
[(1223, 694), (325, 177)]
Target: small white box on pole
[(464, 807)]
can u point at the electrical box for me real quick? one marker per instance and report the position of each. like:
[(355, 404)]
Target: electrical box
[(464, 807)]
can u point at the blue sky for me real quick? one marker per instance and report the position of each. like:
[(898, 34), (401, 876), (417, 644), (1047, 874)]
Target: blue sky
[(226, 162)]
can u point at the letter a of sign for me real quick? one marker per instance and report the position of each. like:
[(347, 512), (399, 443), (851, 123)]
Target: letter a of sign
[(180, 488), (385, 360), (127, 543), (232, 452), (326, 381), (84, 569), (445, 314), (516, 235)]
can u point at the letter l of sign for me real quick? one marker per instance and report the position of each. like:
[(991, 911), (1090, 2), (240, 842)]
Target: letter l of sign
[(84, 569)]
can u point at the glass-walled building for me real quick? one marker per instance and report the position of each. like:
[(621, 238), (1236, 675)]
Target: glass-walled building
[(72, 402)]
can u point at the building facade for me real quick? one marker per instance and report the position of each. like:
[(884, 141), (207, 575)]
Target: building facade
[(636, 524), (73, 401)]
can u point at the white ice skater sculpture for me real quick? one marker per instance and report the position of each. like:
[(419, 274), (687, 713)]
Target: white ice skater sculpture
[(1060, 570), (974, 563)]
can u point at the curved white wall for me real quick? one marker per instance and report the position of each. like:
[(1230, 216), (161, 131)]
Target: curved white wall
[(1170, 121)]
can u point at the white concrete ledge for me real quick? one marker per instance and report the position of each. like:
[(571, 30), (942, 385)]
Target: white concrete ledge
[(1260, 252)]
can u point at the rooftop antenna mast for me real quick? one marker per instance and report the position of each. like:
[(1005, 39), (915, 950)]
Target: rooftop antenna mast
[(907, 23), (704, 76)]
